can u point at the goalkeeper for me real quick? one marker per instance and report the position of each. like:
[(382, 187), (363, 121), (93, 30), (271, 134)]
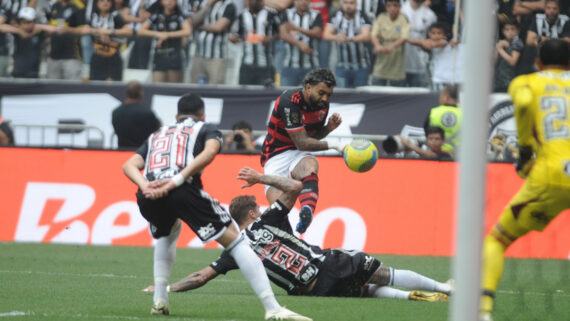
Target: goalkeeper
[(542, 104), (304, 269)]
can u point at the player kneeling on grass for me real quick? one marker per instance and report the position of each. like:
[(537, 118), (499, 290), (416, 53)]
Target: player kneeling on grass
[(171, 190), (311, 270)]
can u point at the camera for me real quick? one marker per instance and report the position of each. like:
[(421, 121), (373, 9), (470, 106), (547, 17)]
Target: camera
[(238, 138), (392, 144)]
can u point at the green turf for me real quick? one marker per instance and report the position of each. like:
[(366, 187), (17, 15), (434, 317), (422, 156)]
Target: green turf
[(67, 282)]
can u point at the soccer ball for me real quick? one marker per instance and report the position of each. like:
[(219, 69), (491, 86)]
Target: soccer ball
[(360, 155)]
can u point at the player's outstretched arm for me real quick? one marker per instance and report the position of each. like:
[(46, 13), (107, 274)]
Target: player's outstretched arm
[(290, 187), (190, 282)]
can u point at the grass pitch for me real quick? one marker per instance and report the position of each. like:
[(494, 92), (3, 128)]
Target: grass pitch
[(68, 282)]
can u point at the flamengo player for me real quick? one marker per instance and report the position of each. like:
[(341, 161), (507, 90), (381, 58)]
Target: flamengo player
[(171, 190), (296, 127)]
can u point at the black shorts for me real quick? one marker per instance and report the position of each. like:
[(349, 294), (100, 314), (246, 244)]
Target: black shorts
[(344, 273), (251, 75), (103, 68), (194, 206), (168, 59)]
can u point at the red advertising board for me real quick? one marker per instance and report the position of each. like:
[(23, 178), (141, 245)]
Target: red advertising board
[(400, 207)]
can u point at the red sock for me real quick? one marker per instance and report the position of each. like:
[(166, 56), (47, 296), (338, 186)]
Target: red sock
[(310, 192)]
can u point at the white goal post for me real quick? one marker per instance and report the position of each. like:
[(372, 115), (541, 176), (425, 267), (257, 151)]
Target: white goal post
[(477, 66)]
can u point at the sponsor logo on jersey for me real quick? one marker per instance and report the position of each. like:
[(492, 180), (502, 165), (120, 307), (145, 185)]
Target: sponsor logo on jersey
[(368, 260), (207, 231)]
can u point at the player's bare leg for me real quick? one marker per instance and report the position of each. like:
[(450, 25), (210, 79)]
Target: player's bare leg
[(254, 272), (307, 172)]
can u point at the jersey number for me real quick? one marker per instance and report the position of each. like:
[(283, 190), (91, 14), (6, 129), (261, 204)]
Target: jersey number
[(286, 257), (161, 151), (556, 110)]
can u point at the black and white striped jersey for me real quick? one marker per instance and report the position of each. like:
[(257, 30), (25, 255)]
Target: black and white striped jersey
[(160, 22), (290, 262), (171, 148), (252, 28), (210, 44), (294, 57), (351, 55), (371, 8)]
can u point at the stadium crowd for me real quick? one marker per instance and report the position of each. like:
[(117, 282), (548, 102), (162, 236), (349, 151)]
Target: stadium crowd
[(410, 43)]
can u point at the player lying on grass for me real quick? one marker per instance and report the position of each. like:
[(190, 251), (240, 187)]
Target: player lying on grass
[(304, 269)]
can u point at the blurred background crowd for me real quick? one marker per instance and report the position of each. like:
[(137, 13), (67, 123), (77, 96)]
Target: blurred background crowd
[(401, 43)]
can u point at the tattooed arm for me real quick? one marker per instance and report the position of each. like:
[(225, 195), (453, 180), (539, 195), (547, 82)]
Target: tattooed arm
[(290, 187)]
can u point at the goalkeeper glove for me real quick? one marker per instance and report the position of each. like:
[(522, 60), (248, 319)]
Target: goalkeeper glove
[(525, 162)]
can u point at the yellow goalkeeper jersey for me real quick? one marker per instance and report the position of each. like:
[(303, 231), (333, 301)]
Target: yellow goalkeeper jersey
[(542, 112)]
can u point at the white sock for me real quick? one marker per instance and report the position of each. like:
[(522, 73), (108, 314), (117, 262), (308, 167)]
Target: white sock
[(387, 292), (254, 272), (415, 281), (164, 255)]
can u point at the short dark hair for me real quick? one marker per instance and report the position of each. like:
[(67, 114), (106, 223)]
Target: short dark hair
[(439, 25), (510, 22), (242, 124), (240, 206), (398, 1), (554, 52), (451, 91), (191, 104), (133, 90), (319, 75), (435, 130)]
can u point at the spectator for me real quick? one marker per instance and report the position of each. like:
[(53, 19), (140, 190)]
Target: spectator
[(212, 23), (447, 116), (371, 8), (4, 44), (323, 7), (106, 28), (505, 10), (132, 121), (257, 27), (168, 26), (64, 61), (6, 132), (136, 14), (350, 30), (444, 10), (29, 39), (435, 137), (278, 45), (547, 25), (242, 136), (420, 17), (524, 11), (445, 65), (389, 33), (301, 29), (507, 55)]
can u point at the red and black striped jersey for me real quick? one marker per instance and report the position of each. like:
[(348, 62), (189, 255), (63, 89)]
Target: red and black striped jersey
[(290, 113)]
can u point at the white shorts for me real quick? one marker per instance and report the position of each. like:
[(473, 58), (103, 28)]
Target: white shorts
[(284, 163)]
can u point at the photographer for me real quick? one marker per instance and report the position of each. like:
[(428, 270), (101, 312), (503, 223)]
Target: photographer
[(242, 136)]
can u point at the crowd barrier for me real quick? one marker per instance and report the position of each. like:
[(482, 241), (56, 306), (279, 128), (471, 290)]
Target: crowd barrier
[(404, 207)]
